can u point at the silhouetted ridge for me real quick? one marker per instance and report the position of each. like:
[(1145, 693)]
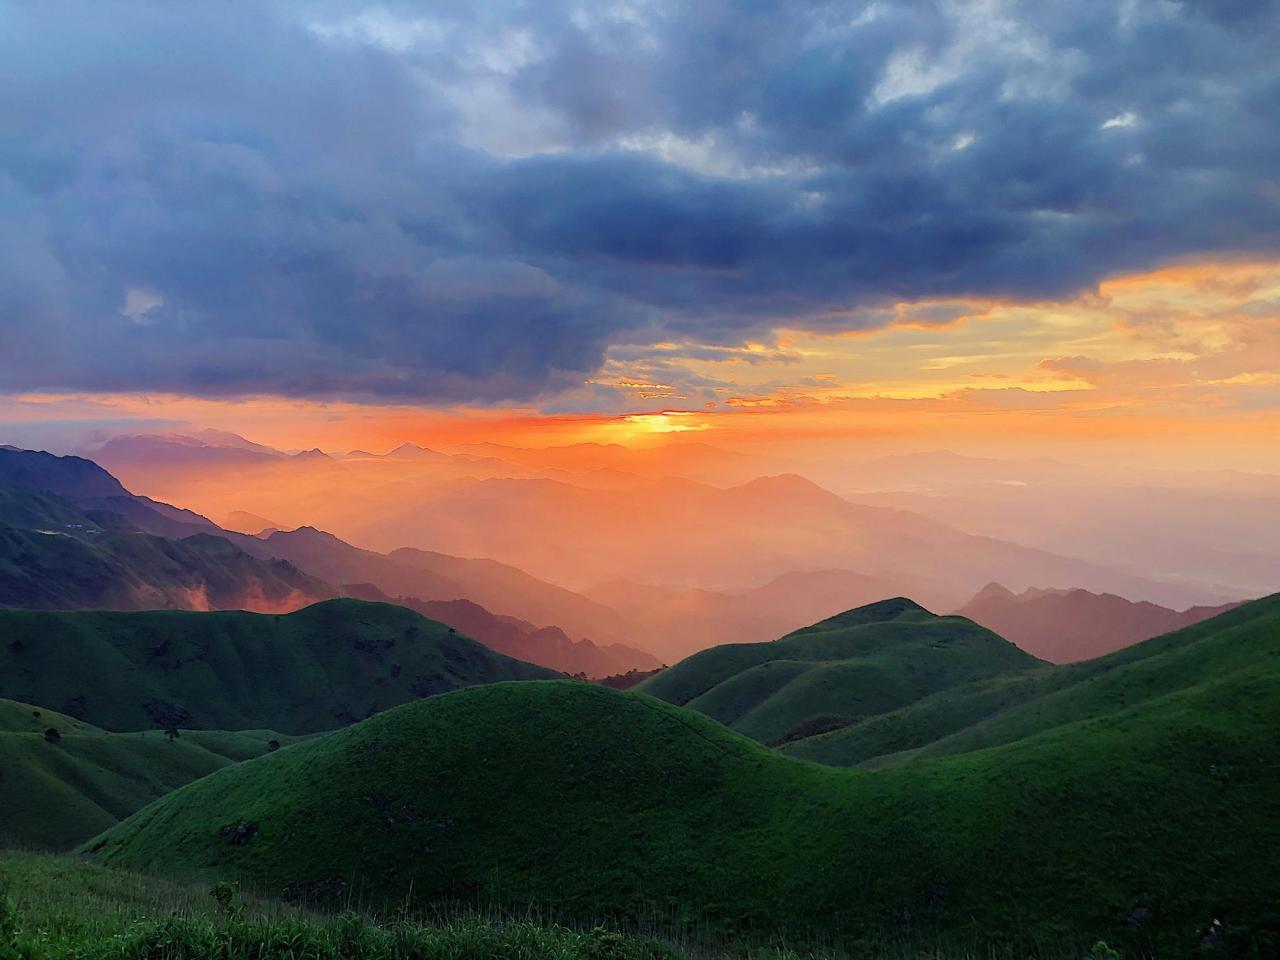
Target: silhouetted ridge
[(72, 477)]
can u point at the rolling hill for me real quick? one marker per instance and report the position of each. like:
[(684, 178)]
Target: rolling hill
[(863, 662), (1225, 651), (57, 790), (1064, 626), (319, 668), (1140, 827)]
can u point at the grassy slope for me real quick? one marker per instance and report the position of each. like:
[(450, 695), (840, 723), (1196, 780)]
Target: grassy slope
[(317, 669), (861, 663), (620, 803), (1002, 709), (55, 795)]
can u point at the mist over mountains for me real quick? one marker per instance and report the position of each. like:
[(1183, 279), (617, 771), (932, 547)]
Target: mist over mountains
[(665, 566), (679, 516)]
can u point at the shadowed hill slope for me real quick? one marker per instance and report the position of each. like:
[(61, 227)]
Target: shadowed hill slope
[(57, 789), (317, 669), (55, 554), (1003, 709), (623, 805), (73, 478), (859, 663)]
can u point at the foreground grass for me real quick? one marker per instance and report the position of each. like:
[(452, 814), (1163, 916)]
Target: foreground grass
[(60, 908), (65, 909)]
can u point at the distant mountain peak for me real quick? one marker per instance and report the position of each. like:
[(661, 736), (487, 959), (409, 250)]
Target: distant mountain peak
[(315, 453), (224, 438), (411, 451), (994, 591), (790, 485), (243, 521), (307, 534)]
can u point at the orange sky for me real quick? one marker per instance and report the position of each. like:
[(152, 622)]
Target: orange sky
[(1180, 365)]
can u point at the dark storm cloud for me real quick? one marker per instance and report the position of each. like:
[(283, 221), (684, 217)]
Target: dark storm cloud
[(457, 202)]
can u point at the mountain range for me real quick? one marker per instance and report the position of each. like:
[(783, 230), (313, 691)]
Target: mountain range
[(73, 537), (663, 517), (58, 554)]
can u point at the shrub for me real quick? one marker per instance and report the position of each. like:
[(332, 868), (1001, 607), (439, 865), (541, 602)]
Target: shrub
[(8, 929), (224, 895)]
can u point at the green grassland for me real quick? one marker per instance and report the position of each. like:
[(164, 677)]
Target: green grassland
[(860, 663), (1140, 826), (59, 909), (316, 669), (1002, 709), (57, 791)]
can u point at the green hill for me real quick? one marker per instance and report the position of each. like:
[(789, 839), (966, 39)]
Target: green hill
[(58, 789), (1139, 827), (860, 663), (322, 667), (1002, 709)]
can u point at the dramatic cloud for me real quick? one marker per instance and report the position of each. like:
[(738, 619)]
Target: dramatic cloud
[(474, 202)]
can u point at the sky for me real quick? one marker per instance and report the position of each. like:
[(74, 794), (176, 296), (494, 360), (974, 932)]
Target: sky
[(993, 225)]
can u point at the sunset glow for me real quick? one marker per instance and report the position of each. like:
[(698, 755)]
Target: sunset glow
[(1188, 350)]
